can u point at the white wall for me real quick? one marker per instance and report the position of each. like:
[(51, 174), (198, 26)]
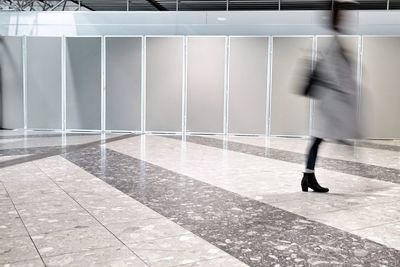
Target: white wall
[(267, 24), (190, 23)]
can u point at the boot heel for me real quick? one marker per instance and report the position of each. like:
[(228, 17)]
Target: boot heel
[(304, 188)]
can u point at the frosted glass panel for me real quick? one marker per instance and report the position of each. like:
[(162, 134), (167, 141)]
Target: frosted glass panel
[(289, 111), (123, 83), (164, 75), (380, 90), (205, 74), (248, 85), (83, 73), (11, 83), (44, 82)]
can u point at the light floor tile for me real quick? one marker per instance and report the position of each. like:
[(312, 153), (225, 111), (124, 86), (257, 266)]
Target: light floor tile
[(17, 249), (49, 223), (114, 256), (273, 182), (142, 230), (176, 251), (11, 226), (77, 240), (30, 263), (385, 234), (219, 262), (36, 209)]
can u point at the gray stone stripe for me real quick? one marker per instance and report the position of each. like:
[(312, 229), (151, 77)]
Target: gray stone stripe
[(348, 167), (36, 153), (378, 146), (256, 233), (366, 144)]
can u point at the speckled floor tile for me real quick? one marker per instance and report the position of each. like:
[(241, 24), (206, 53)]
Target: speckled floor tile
[(386, 234), (253, 232), (8, 209), (36, 209), (28, 186), (114, 256), (109, 214), (353, 168), (175, 251), (30, 263), (278, 187), (49, 223), (142, 230), (39, 148), (360, 217), (218, 262), (17, 249), (358, 152), (47, 195), (11, 226), (76, 240)]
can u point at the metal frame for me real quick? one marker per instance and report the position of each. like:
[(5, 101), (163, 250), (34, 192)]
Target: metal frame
[(314, 58), (184, 86), (103, 129), (269, 95), (63, 84), (103, 84), (227, 83), (24, 80), (143, 88)]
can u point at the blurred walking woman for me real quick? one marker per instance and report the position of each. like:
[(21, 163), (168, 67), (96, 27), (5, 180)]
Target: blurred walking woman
[(333, 85)]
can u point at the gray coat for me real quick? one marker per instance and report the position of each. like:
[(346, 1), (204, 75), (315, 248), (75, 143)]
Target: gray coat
[(336, 103)]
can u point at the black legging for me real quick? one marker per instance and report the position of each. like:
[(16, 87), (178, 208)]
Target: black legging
[(312, 153)]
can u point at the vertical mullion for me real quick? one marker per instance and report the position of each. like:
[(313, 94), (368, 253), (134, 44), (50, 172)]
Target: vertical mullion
[(359, 74), (24, 81), (269, 89), (143, 86), (226, 84), (184, 85), (314, 58), (103, 84), (63, 84)]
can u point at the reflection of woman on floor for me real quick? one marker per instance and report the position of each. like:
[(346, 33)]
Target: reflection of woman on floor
[(333, 86)]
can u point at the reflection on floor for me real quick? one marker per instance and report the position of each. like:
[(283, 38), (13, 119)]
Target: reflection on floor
[(136, 200)]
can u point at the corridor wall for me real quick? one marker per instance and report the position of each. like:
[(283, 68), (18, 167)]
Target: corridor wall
[(380, 106), (193, 84), (290, 113), (205, 84), (164, 82), (83, 83), (123, 83), (44, 74), (11, 83), (248, 81)]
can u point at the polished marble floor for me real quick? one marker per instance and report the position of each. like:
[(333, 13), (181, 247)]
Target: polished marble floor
[(82, 199)]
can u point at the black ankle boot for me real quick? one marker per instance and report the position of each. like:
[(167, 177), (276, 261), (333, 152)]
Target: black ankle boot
[(309, 181)]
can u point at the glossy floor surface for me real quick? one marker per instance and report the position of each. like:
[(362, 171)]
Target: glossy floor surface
[(147, 200)]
